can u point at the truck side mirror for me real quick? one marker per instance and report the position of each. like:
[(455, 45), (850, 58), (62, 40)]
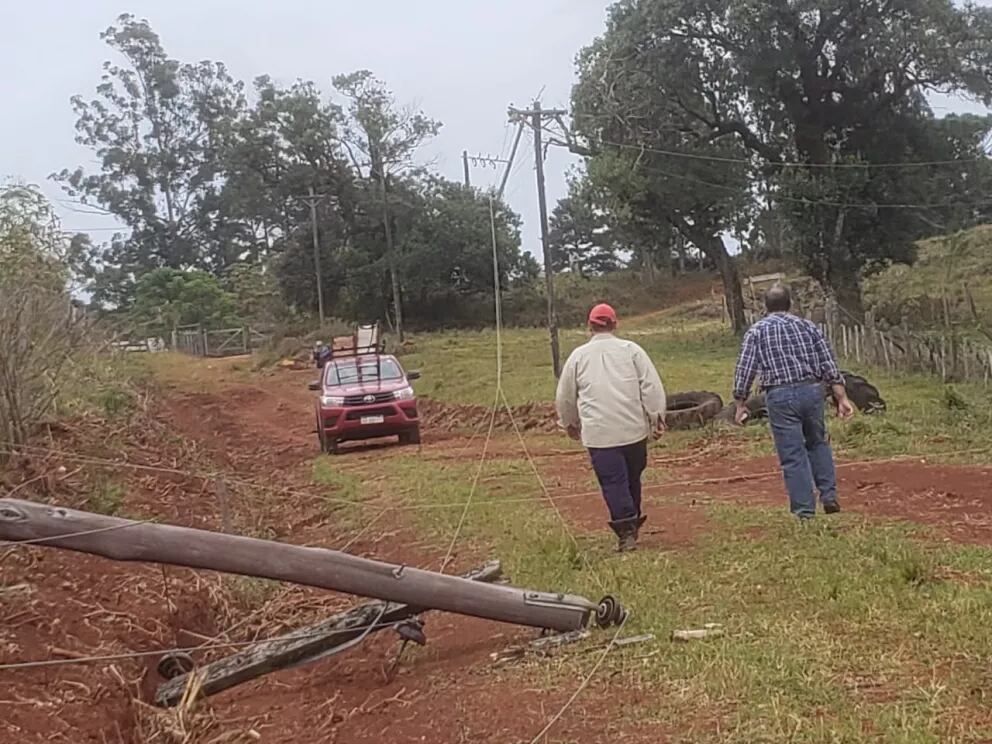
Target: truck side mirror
[(411, 376), (315, 386)]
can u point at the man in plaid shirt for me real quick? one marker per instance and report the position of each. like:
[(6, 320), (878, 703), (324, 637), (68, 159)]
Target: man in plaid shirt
[(794, 360)]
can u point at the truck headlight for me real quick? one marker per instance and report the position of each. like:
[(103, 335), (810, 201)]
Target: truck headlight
[(332, 401), (403, 394)]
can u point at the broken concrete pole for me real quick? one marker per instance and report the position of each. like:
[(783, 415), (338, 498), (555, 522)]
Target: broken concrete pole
[(126, 540), (336, 632)]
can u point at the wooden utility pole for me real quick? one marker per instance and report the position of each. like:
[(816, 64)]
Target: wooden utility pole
[(536, 117), (394, 277), (312, 200), (338, 632), (126, 540)]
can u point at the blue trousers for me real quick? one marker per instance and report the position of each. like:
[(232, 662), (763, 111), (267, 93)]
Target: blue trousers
[(618, 470), (800, 433)]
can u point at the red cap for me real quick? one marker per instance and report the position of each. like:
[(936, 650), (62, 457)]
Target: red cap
[(602, 315)]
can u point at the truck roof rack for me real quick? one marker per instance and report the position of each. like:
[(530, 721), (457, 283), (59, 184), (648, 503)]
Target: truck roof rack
[(364, 340)]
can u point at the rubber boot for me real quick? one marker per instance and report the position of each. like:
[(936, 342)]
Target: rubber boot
[(626, 532), (641, 519)]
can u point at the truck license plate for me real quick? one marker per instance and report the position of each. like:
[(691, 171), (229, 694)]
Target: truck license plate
[(372, 419)]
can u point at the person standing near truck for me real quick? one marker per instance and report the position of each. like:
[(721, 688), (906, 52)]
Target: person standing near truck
[(611, 398), (794, 360)]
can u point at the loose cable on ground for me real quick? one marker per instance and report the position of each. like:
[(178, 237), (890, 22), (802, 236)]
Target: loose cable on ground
[(39, 663), (582, 686), (550, 497)]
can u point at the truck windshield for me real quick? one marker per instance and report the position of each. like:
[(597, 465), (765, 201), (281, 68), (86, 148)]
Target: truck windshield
[(351, 371)]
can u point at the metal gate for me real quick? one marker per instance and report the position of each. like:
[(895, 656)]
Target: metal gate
[(218, 343)]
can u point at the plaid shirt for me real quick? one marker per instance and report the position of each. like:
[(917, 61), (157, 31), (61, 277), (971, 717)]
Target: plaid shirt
[(783, 349)]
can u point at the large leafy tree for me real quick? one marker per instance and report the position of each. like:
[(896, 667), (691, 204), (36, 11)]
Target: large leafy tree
[(580, 236), (159, 129), (831, 85), (628, 117), (167, 298), (286, 145), (382, 137)]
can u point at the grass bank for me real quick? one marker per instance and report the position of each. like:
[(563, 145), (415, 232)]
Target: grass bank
[(848, 631), (924, 416)]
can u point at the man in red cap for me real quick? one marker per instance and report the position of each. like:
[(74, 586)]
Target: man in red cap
[(610, 397)]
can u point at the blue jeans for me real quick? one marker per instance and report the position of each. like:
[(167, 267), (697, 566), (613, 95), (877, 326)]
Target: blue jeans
[(800, 433)]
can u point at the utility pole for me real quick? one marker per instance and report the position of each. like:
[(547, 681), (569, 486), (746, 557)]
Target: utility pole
[(394, 276), (312, 200), (536, 117), (468, 180)]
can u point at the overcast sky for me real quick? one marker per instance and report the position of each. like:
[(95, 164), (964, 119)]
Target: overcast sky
[(462, 61)]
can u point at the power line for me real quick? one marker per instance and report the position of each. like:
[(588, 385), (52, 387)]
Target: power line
[(821, 202), (795, 163)]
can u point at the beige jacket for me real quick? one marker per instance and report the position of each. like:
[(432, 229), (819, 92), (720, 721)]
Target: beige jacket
[(611, 389)]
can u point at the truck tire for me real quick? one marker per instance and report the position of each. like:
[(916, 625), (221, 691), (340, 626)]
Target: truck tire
[(692, 410), (328, 445), (410, 437)]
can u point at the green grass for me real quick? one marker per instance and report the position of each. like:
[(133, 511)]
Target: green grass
[(461, 367), (924, 417), (847, 631), (343, 489)]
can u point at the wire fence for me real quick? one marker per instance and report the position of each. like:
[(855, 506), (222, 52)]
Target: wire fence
[(946, 353)]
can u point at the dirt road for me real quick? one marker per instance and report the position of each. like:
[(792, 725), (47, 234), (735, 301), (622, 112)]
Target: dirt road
[(258, 433)]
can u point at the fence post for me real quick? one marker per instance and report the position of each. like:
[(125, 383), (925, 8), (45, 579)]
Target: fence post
[(885, 351), (206, 344), (843, 333)]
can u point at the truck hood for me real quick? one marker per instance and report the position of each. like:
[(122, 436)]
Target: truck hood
[(367, 388)]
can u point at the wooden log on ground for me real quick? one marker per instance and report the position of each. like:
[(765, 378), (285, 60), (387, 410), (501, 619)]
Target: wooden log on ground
[(126, 540), (300, 645)]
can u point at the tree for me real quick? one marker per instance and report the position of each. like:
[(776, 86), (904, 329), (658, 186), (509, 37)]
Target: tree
[(167, 298), (254, 291), (580, 237), (285, 145), (382, 137), (39, 336), (159, 129), (444, 254), (627, 119), (832, 85)]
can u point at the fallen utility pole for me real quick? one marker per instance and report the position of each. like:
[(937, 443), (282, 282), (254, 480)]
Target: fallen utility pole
[(536, 117), (126, 540), (334, 634)]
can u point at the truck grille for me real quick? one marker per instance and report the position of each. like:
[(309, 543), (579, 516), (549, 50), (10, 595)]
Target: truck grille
[(359, 400), (355, 415)]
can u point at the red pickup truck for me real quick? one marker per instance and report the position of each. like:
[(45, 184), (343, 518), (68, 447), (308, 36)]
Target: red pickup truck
[(365, 397)]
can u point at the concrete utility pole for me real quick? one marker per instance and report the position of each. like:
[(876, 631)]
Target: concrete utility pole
[(126, 540), (313, 199), (468, 180), (536, 117)]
